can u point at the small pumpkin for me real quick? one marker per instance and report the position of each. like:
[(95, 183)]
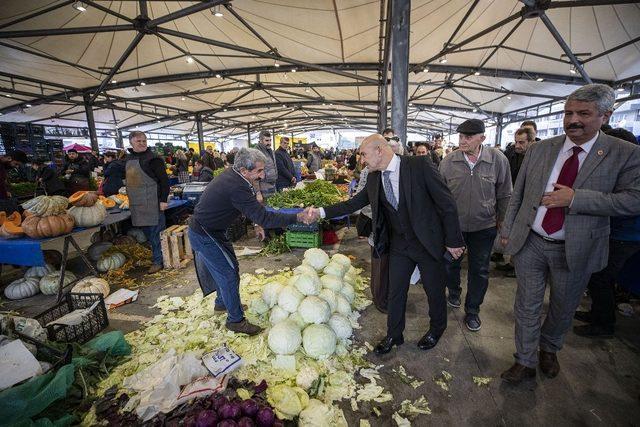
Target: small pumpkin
[(91, 285), (22, 288), (3, 217), (49, 283), (137, 234), (117, 200), (88, 216), (38, 227), (111, 261), (14, 218), (83, 198), (107, 203), (10, 230), (96, 250), (38, 271)]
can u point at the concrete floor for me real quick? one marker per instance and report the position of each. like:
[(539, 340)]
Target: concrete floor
[(599, 381)]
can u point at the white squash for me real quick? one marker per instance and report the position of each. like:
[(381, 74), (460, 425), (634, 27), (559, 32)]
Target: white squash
[(49, 283), (38, 271), (88, 216), (22, 288), (111, 262), (91, 285)]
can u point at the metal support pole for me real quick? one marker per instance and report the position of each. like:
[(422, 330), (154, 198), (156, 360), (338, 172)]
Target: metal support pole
[(400, 17), (200, 134), (91, 123), (567, 50), (499, 131), (384, 75), (119, 140), (248, 134)]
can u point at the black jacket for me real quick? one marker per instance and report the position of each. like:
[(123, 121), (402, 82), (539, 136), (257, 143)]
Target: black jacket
[(206, 175), (432, 209), (515, 161), (79, 167), (285, 167), (114, 174), (51, 181), (225, 199)]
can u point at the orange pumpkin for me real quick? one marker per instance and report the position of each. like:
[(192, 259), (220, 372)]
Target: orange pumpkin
[(3, 217), (107, 203), (26, 214), (10, 230), (83, 198), (38, 227), (15, 218)]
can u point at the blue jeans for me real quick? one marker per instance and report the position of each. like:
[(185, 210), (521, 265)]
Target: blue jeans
[(153, 236), (479, 246), (217, 274)]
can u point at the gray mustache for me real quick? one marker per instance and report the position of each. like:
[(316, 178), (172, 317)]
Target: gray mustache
[(575, 126)]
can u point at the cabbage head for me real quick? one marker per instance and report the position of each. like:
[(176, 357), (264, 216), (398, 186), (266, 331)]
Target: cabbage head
[(319, 341), (305, 269), (314, 310), (341, 326), (278, 314), (289, 298), (284, 338), (306, 376), (348, 292), (342, 260), (335, 269), (316, 258), (342, 306), (307, 284), (330, 297), (258, 306), (317, 414), (298, 320), (332, 282), (287, 401), (270, 293)]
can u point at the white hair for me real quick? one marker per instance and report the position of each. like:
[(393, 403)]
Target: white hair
[(247, 158), (602, 95)]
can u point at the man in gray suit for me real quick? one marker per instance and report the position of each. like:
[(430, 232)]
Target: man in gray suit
[(557, 223)]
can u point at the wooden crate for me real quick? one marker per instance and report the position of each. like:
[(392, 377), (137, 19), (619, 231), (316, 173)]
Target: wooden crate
[(176, 249)]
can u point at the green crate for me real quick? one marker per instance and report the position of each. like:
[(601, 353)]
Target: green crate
[(303, 239)]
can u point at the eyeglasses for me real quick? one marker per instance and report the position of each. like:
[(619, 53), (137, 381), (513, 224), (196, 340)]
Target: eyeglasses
[(392, 138)]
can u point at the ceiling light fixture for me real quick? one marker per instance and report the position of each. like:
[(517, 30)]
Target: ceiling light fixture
[(28, 105), (183, 98), (189, 59), (508, 96), (539, 79), (307, 90), (443, 60), (8, 95), (114, 81), (224, 109), (80, 6), (143, 84), (218, 76), (475, 110), (572, 70), (276, 64), (477, 73), (620, 89), (293, 70), (425, 69), (217, 12)]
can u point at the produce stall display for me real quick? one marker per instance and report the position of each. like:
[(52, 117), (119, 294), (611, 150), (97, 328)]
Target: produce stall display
[(306, 355), (316, 193)]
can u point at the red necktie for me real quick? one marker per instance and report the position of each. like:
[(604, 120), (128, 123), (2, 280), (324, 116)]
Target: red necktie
[(554, 218)]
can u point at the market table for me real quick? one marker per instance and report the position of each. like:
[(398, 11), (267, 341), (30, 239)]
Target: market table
[(27, 251)]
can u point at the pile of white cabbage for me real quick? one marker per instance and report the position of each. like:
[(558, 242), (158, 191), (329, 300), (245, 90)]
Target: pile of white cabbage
[(312, 311), (313, 359)]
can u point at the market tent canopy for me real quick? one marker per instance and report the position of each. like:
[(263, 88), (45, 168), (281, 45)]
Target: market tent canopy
[(78, 147), (302, 64)]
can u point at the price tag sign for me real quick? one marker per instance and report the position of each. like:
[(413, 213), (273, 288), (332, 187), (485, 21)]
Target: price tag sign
[(221, 361)]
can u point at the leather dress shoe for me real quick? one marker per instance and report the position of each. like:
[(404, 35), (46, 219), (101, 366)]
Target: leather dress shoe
[(583, 316), (429, 340), (549, 364), (387, 344), (594, 331), (518, 373)]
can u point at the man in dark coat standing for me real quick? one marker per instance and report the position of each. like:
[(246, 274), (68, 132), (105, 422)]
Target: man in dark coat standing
[(284, 164), (415, 220)]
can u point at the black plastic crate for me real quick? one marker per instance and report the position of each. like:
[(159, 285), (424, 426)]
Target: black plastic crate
[(55, 357), (95, 321), (237, 230)]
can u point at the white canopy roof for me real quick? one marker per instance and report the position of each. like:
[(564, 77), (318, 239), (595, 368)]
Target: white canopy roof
[(328, 51)]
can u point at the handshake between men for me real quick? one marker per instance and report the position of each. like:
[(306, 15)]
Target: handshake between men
[(309, 215)]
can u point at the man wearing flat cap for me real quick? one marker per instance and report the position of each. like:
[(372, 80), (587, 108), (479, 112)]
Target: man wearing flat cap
[(480, 180)]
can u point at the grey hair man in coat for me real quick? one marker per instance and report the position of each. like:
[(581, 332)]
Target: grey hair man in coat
[(266, 187), (557, 223)]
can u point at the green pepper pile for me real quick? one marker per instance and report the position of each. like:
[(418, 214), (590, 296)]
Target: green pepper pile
[(317, 193)]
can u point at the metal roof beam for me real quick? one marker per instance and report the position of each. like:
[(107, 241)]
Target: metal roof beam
[(65, 31), (567, 50), (205, 4), (250, 28), (107, 10), (36, 14)]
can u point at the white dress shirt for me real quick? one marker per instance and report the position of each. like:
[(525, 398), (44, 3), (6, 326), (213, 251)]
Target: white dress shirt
[(394, 177), (565, 153), (469, 162)]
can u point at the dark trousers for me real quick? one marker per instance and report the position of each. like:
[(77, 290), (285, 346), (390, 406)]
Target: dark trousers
[(402, 261), (380, 280), (479, 246), (601, 284), (153, 235)]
